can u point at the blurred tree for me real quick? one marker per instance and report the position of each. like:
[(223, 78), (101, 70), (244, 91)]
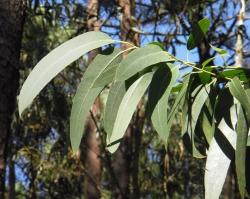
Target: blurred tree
[(11, 22), (92, 154)]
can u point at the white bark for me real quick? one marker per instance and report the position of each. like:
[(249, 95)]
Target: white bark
[(239, 40)]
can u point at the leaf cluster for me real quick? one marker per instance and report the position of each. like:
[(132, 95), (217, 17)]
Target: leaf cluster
[(214, 100)]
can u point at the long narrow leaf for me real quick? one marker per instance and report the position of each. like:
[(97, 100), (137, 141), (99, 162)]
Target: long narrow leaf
[(86, 93), (56, 61), (218, 162), (140, 59), (241, 95), (240, 154), (161, 92), (178, 102), (127, 108), (194, 114), (115, 96)]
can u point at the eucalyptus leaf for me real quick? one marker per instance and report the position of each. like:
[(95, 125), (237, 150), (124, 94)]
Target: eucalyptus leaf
[(206, 62), (159, 91), (240, 154), (86, 93), (222, 52), (139, 59), (200, 94), (115, 96), (241, 95), (179, 101), (242, 73), (56, 61), (207, 128), (199, 31), (218, 162), (127, 108), (208, 121)]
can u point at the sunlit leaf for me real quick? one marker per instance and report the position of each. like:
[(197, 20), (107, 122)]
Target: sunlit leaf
[(140, 59), (56, 61), (200, 94), (222, 52), (242, 73), (248, 141), (207, 124), (240, 154), (86, 93), (179, 101), (206, 62), (218, 162), (115, 96), (159, 91), (241, 95), (127, 108), (176, 88)]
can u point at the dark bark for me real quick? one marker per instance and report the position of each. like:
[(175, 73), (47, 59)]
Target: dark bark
[(12, 176), (92, 162), (135, 162), (121, 165), (11, 23)]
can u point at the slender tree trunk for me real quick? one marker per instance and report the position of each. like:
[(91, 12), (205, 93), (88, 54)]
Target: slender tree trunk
[(11, 23), (240, 34), (92, 159), (135, 160)]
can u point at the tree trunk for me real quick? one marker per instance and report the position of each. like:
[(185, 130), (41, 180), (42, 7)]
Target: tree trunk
[(240, 33), (92, 159), (127, 151), (11, 23)]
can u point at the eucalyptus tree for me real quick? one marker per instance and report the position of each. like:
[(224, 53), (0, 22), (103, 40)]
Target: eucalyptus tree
[(214, 127)]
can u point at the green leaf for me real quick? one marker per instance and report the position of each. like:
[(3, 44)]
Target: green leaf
[(86, 93), (248, 140), (56, 61), (206, 62), (115, 96), (185, 105), (160, 44), (159, 91), (241, 95), (208, 126), (204, 76), (240, 154), (242, 73), (200, 94), (178, 101), (222, 52), (177, 88), (108, 74), (218, 162), (184, 117), (127, 108), (140, 59), (198, 33)]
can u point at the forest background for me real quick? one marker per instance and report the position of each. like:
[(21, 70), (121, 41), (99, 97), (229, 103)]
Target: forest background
[(36, 160)]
